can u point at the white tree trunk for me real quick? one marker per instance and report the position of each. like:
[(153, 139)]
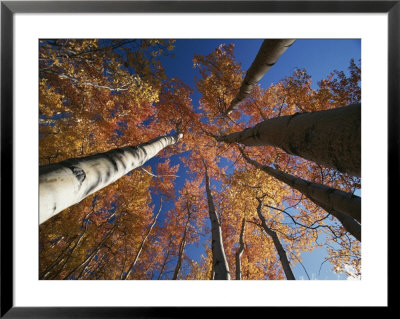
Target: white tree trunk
[(336, 199), (330, 137), (269, 53), (220, 264), (240, 250), (64, 184), (346, 207)]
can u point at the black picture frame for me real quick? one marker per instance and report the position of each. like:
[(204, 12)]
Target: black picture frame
[(9, 8)]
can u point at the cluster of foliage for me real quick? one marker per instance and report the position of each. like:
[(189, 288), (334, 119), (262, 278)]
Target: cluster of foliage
[(97, 95)]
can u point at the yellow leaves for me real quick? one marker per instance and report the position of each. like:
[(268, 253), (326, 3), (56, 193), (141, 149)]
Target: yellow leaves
[(103, 97), (220, 76), (143, 92), (110, 104), (50, 101), (88, 84), (346, 259)]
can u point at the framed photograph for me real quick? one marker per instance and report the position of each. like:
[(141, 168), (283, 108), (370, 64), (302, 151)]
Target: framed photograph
[(161, 156)]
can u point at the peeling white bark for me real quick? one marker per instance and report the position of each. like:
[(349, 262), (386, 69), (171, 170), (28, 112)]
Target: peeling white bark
[(64, 184)]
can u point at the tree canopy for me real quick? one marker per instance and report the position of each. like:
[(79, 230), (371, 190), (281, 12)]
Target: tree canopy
[(208, 205)]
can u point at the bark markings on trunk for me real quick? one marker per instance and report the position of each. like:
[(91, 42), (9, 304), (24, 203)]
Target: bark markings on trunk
[(268, 54), (330, 137), (66, 183), (344, 206)]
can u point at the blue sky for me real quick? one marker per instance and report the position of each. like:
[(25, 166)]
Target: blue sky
[(318, 57)]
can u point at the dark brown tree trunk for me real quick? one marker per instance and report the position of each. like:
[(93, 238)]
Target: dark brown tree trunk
[(331, 137), (269, 53), (281, 251), (344, 206)]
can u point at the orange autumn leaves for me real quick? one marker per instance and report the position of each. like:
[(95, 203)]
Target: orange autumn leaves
[(95, 96)]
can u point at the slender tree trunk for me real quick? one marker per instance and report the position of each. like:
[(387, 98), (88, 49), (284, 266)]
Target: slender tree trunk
[(165, 260), (180, 254), (269, 53), (59, 259), (93, 253), (281, 251), (121, 275), (330, 137), (65, 259), (66, 183), (143, 242), (334, 199), (344, 206), (220, 264), (239, 253), (181, 247)]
